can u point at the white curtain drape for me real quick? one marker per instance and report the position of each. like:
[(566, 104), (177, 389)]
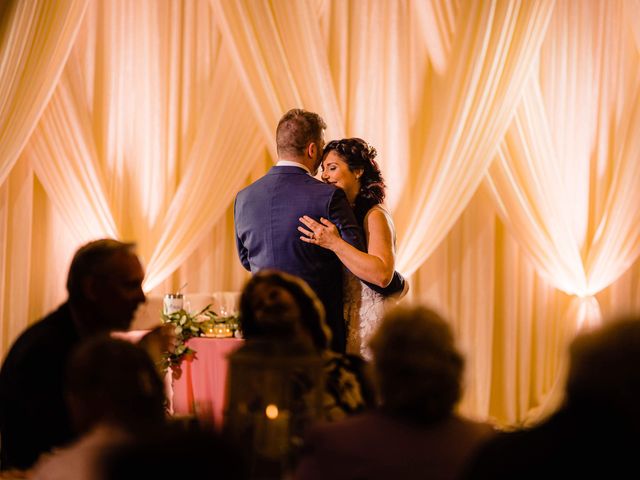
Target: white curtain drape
[(35, 39), (473, 103), (632, 10), (567, 177), (281, 60), (179, 184), (371, 74), (160, 111), (16, 206), (438, 19)]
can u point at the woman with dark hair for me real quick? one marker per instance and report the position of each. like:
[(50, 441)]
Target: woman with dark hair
[(276, 305), (350, 164)]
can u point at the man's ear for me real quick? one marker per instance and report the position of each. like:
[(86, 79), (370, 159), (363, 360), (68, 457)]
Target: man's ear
[(311, 149), (90, 288)]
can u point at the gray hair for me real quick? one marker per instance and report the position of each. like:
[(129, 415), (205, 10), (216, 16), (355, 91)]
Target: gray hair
[(418, 368)]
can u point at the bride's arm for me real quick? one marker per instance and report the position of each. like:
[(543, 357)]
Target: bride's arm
[(377, 265)]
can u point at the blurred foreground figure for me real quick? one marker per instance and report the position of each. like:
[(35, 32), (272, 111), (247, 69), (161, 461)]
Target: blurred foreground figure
[(596, 433), (114, 396), (105, 289), (279, 306), (286, 377), (415, 433), (176, 452)]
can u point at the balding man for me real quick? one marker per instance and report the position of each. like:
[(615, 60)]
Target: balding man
[(105, 288)]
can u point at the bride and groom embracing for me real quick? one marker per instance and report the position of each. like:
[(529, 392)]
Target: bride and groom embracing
[(335, 234)]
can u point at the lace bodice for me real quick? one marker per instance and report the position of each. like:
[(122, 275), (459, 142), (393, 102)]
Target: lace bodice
[(363, 307)]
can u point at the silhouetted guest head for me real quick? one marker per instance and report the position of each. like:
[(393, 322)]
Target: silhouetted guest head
[(115, 382), (418, 368), (296, 131), (275, 304), (605, 370), (105, 285)]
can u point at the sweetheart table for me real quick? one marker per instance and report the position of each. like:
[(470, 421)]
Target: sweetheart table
[(200, 388)]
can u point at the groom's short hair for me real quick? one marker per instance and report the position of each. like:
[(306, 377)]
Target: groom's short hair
[(297, 129)]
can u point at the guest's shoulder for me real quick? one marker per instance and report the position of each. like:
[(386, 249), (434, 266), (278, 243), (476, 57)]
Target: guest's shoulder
[(57, 322), (53, 332), (341, 431), (474, 427)]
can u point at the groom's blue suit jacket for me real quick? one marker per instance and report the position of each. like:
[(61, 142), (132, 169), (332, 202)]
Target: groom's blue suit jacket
[(267, 216)]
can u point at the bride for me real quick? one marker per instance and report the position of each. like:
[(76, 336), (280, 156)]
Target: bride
[(350, 164)]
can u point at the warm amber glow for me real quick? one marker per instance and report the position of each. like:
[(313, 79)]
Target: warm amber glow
[(142, 119), (271, 411)]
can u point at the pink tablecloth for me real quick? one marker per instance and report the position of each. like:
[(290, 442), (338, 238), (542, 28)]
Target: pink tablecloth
[(200, 388)]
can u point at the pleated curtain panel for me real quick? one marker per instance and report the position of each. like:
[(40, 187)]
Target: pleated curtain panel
[(508, 133)]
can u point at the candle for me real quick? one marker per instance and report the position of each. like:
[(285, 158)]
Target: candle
[(272, 432)]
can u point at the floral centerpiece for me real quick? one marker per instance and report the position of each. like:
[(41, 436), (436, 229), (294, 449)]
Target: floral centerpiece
[(205, 323), (220, 326)]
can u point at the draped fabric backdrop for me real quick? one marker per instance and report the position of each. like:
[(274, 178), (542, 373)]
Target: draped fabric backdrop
[(508, 133)]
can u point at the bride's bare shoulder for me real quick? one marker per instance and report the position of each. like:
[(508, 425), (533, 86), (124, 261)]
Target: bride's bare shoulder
[(378, 220), (379, 213)]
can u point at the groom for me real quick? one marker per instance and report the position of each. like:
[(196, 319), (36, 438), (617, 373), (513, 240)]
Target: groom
[(267, 215)]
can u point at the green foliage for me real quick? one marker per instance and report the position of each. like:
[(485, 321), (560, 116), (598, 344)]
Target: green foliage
[(188, 325)]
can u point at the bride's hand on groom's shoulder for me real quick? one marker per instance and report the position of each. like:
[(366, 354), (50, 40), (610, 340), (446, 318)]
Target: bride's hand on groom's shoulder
[(324, 233)]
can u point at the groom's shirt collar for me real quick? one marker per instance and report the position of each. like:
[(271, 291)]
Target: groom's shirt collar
[(289, 163)]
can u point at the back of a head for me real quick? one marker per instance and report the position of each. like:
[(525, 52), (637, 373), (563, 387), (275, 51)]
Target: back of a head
[(114, 381), (93, 259), (604, 371), (418, 368), (296, 129)]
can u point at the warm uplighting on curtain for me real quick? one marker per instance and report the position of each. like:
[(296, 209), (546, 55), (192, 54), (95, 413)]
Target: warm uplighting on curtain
[(567, 175), (164, 181), (473, 102), (35, 39), (141, 119)]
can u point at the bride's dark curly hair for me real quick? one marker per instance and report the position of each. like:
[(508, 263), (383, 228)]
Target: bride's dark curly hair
[(359, 155)]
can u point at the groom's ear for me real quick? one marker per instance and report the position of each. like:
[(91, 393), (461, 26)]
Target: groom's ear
[(311, 149)]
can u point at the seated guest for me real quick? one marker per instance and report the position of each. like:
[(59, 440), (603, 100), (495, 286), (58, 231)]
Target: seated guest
[(278, 305), (174, 453), (595, 433), (114, 393), (415, 432), (105, 289), (285, 377)]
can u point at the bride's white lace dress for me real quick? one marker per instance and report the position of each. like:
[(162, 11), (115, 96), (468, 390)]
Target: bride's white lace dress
[(363, 307)]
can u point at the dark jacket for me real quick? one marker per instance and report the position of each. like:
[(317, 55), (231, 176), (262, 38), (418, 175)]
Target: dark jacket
[(267, 216), (33, 415)]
